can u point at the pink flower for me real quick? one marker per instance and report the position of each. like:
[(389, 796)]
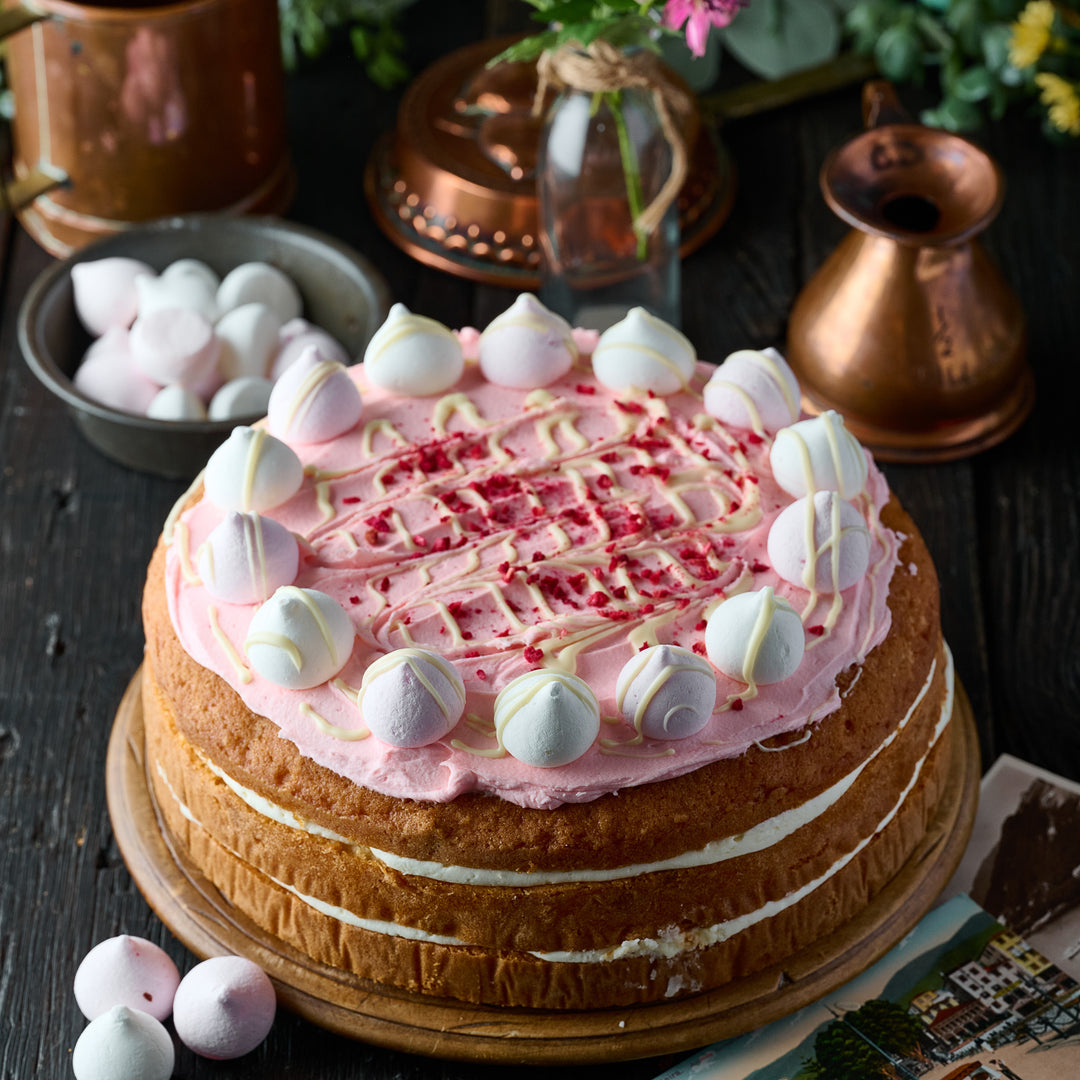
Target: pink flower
[(700, 16)]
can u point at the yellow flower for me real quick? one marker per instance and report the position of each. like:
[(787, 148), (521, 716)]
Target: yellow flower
[(1063, 99), (1031, 35)]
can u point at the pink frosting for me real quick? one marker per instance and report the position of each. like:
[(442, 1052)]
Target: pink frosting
[(509, 531)]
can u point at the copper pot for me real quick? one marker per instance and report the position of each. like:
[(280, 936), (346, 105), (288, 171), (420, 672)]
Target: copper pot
[(143, 112), (909, 329)]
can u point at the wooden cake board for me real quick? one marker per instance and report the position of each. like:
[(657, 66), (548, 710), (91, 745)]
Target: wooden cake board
[(193, 909)]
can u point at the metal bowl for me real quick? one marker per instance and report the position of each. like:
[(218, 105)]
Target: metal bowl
[(342, 293)]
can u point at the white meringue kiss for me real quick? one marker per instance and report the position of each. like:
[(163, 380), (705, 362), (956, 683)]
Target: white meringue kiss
[(192, 267), (547, 718), (191, 292), (259, 282), (527, 346), (411, 697), (129, 971), (105, 294), (644, 353), (176, 402), (224, 1007), (413, 356), (819, 454), (299, 638), (666, 692), (251, 470), (819, 540), (755, 637), (314, 401), (247, 558), (122, 1044), (241, 398), (249, 339), (754, 390)]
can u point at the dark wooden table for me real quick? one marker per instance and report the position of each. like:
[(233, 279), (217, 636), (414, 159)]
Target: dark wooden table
[(76, 531)]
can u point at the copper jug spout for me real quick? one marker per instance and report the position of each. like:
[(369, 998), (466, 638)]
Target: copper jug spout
[(909, 329)]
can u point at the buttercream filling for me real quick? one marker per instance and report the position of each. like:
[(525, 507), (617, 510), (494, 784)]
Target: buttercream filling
[(757, 838), (664, 946), (565, 529)]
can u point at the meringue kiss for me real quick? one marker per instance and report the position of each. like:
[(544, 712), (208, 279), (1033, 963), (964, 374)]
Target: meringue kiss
[(411, 697), (755, 637), (547, 718), (666, 692), (413, 356), (314, 400), (247, 558), (299, 638), (527, 346)]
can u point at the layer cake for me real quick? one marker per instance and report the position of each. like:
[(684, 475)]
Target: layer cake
[(555, 838)]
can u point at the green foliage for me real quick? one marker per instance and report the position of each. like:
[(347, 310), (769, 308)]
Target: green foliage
[(776, 37), (966, 40), (306, 26), (622, 23)]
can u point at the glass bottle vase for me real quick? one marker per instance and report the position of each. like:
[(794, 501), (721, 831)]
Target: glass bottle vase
[(602, 159)]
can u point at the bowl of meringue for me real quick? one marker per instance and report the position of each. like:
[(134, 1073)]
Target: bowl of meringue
[(161, 339)]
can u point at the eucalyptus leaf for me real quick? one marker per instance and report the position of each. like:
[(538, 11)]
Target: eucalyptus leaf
[(807, 33), (995, 46), (957, 115), (973, 84), (898, 53)]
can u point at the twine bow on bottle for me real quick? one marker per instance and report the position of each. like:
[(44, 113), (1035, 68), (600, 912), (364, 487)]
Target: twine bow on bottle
[(601, 68)]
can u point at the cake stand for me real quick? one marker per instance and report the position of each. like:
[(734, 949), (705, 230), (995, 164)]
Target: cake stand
[(193, 909)]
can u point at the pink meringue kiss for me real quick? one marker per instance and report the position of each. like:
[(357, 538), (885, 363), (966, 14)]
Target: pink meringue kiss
[(296, 336), (224, 1007), (247, 558), (527, 346), (129, 971), (754, 390), (666, 692), (109, 376), (105, 293), (174, 345), (314, 401), (411, 697), (840, 539)]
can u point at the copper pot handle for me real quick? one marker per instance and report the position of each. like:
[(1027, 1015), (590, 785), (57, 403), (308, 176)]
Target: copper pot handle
[(881, 106), (15, 194), (14, 19)]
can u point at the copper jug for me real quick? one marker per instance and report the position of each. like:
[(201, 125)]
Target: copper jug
[(128, 113), (908, 329)]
